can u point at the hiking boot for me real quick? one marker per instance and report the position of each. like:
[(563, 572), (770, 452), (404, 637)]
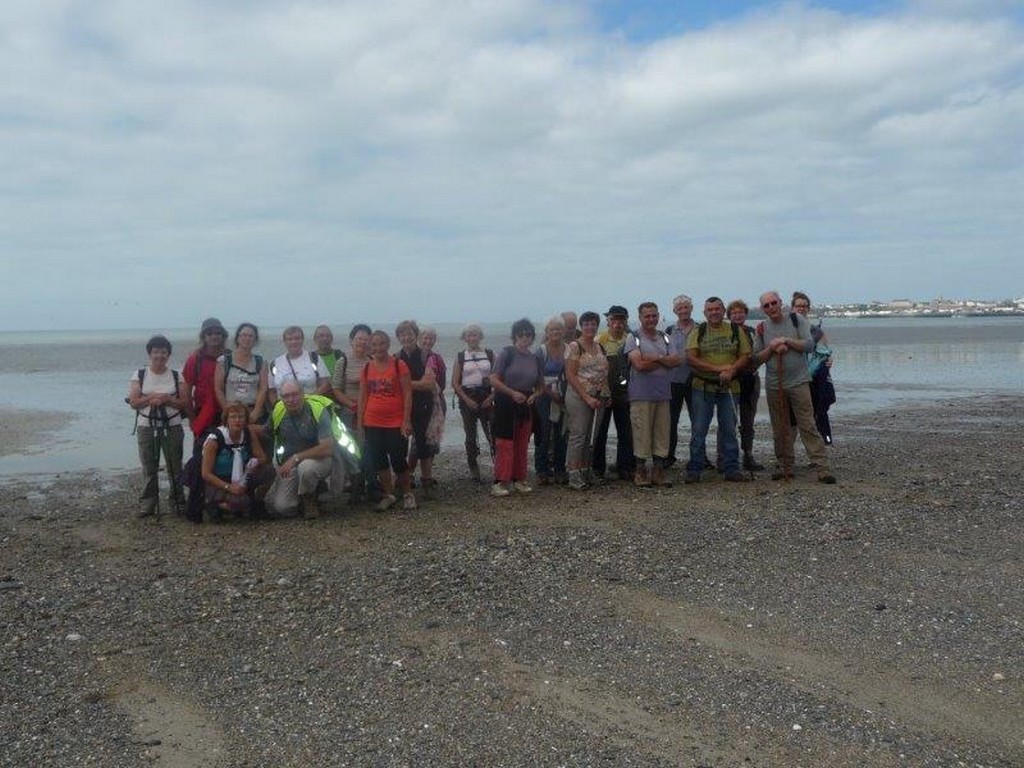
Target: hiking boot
[(641, 479), (520, 486), (751, 464), (592, 478), (545, 480), (780, 474), (386, 502), (409, 501), (735, 477), (498, 489), (658, 477), (310, 507), (692, 477), (576, 481), (827, 478)]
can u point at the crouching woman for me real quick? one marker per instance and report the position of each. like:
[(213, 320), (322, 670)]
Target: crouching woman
[(234, 464)]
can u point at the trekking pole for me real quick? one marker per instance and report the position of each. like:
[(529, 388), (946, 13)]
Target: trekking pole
[(784, 410)]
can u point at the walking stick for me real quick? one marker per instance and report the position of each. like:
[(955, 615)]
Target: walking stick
[(784, 410)]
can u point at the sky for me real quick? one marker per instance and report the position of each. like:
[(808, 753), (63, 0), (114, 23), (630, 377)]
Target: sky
[(489, 159)]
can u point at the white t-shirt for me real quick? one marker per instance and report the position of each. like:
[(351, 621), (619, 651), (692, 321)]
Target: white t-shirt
[(158, 384), (300, 369)]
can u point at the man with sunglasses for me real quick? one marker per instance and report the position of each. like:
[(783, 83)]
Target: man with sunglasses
[(780, 343)]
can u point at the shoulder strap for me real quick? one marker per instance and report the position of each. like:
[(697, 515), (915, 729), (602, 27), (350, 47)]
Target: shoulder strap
[(259, 363), (228, 360), (461, 358), (702, 331), (490, 355), (793, 320), (760, 330), (142, 378), (314, 357), (735, 335)]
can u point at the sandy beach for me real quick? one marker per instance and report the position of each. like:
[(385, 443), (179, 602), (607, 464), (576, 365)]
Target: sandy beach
[(877, 622)]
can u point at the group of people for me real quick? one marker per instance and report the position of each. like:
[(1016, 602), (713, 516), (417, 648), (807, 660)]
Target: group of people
[(267, 434)]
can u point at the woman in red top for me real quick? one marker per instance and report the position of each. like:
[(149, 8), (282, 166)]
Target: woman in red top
[(384, 420), (200, 372)]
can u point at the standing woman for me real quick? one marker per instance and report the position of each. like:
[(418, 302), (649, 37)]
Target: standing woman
[(241, 375), (586, 370), (157, 394), (345, 379), (296, 364), (750, 390), (385, 419), (548, 432), (438, 412), (518, 381), (423, 381), (200, 372), (472, 385), (819, 367)]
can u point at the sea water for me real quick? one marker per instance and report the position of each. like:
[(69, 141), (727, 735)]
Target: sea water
[(84, 375)]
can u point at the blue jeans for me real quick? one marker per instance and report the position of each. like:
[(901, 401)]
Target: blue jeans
[(705, 403), (549, 441)]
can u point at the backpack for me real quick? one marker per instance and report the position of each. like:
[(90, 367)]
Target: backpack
[(462, 357), (702, 331), (141, 373), (760, 326), (229, 362)]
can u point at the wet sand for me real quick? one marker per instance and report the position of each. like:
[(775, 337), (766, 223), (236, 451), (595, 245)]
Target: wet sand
[(872, 623)]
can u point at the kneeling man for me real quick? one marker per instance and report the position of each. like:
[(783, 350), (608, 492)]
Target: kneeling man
[(303, 451)]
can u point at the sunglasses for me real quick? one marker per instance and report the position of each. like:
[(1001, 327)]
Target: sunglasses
[(773, 303)]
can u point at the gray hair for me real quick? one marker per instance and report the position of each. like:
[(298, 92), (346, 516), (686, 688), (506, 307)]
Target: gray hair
[(469, 328), (555, 320), (682, 298)]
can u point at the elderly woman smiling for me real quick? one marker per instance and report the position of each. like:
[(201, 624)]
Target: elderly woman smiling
[(298, 365), (518, 381)]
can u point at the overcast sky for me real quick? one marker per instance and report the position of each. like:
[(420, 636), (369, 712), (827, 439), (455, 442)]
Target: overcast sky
[(486, 159)]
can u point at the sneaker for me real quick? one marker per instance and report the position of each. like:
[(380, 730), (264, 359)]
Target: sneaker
[(576, 481), (641, 479), (387, 502), (499, 490), (520, 487), (735, 477), (692, 477), (827, 478), (409, 501)]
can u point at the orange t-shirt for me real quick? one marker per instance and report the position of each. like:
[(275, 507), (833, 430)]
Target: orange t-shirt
[(384, 406)]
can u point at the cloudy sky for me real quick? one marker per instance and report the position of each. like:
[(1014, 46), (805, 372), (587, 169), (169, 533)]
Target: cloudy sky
[(485, 159)]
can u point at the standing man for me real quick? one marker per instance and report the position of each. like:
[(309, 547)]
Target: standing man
[(650, 394), (572, 331), (781, 342), (323, 337), (612, 341), (680, 376), (717, 351), (750, 388), (303, 450)]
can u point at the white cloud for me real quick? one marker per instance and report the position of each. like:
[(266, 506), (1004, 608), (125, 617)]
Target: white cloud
[(504, 141)]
